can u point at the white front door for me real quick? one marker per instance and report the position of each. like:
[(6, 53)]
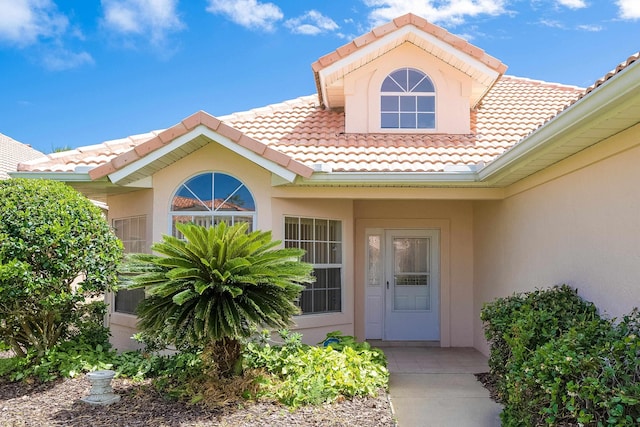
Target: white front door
[(402, 295)]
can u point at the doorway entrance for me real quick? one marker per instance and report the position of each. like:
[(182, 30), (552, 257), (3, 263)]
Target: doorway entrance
[(402, 285)]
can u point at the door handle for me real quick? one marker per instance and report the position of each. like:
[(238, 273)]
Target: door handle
[(387, 284)]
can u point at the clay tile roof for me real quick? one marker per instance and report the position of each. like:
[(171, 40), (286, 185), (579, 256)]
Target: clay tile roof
[(85, 157), (313, 135), (13, 152), (302, 130)]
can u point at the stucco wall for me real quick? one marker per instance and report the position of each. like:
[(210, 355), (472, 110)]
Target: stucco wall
[(454, 219), (580, 227)]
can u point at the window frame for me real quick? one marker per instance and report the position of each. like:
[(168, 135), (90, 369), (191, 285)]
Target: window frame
[(145, 248), (402, 95), (314, 242), (214, 214)]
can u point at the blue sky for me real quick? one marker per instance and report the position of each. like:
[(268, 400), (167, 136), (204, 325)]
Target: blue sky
[(79, 72)]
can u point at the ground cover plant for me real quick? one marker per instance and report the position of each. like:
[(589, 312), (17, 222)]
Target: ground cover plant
[(56, 252), (299, 374), (555, 361), (288, 372)]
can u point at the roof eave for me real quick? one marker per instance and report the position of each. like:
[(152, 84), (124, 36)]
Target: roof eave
[(620, 92), (53, 176), (382, 179)]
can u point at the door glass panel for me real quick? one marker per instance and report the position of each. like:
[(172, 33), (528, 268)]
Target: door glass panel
[(374, 270), (411, 290)]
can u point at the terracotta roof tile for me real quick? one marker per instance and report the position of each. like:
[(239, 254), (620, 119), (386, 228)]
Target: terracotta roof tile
[(13, 152), (302, 130)]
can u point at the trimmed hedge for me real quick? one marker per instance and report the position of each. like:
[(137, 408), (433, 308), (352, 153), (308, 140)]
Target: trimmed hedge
[(557, 362)]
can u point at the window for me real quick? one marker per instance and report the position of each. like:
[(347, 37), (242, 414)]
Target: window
[(408, 101), (210, 198), (322, 241), (132, 231)]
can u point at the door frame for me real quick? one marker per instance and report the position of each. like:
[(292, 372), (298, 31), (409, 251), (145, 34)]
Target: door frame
[(361, 228)]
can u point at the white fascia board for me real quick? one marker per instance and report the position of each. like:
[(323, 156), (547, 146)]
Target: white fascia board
[(401, 33), (577, 115), (391, 178), (215, 137), (53, 176)]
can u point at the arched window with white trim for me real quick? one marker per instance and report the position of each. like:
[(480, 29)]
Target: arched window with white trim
[(210, 198), (407, 100)]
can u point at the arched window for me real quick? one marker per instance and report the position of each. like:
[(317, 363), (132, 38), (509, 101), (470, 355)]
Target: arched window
[(210, 198), (408, 101)]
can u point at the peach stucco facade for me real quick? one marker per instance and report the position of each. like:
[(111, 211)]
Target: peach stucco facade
[(518, 184), (576, 223)]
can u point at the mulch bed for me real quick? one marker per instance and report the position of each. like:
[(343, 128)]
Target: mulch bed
[(58, 404)]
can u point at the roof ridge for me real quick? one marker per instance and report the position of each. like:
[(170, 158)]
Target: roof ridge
[(543, 82), (617, 69)]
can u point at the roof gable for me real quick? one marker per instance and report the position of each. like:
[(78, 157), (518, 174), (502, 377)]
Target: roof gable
[(331, 69), (179, 141)]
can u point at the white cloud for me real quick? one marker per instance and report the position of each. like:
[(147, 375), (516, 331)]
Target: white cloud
[(573, 4), (141, 17), (249, 13), (62, 59), (552, 23), (24, 22), (590, 28), (443, 12), (311, 23), (629, 9)]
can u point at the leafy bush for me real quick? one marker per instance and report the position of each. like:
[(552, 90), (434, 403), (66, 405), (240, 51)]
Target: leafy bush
[(590, 375), (557, 362), (303, 374), (56, 250), (515, 326)]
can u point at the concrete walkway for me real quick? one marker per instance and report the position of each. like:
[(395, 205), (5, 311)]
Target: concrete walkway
[(435, 387)]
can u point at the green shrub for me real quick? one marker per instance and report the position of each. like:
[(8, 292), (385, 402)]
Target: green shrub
[(303, 374), (556, 362), (516, 326), (590, 376), (56, 250)]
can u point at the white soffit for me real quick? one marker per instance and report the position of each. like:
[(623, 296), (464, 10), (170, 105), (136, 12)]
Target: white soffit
[(123, 176)]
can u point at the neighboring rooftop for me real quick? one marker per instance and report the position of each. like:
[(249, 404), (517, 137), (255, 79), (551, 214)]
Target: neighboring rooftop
[(13, 152)]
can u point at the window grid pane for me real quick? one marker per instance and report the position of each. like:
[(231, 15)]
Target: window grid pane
[(132, 232), (322, 241), (401, 106)]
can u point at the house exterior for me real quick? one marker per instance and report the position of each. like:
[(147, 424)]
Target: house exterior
[(421, 179), (13, 152)]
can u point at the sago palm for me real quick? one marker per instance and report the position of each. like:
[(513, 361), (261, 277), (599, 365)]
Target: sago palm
[(215, 286)]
